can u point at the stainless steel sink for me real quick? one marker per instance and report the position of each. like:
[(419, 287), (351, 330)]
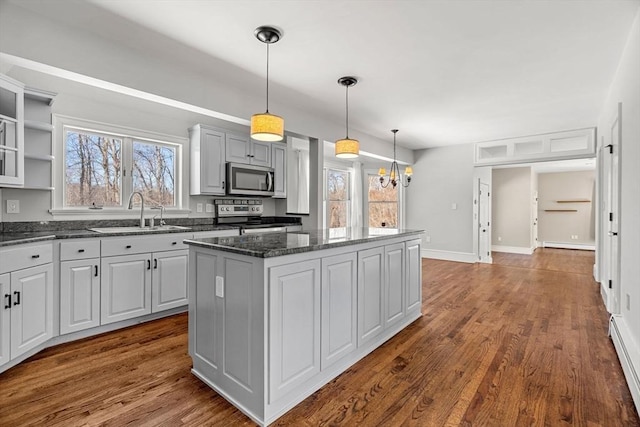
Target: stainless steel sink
[(138, 229)]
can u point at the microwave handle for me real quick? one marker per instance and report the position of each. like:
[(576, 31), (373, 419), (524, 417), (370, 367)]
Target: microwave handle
[(269, 181)]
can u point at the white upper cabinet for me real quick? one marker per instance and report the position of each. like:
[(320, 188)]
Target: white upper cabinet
[(242, 149), (207, 161), (11, 132)]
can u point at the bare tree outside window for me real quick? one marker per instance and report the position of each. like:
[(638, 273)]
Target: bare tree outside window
[(338, 198), (154, 172), (93, 169), (383, 204)]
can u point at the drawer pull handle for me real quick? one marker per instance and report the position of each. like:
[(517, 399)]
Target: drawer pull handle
[(35, 256), (155, 263), (96, 272), (174, 243), (80, 250), (7, 301), (128, 246), (148, 264), (16, 300)]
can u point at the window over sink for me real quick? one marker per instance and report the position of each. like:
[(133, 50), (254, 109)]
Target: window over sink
[(101, 165)]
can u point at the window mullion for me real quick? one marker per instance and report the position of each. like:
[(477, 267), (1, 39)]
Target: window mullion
[(127, 173)]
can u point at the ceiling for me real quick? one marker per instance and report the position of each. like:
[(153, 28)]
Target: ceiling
[(443, 72)]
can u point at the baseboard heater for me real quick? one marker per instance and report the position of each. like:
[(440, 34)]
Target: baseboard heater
[(560, 245), (627, 353)]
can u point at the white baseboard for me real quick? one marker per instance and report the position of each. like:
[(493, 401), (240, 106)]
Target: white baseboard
[(629, 355), (562, 245), (450, 255), (604, 293), (512, 249)]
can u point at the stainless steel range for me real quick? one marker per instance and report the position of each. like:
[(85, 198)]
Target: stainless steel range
[(246, 214)]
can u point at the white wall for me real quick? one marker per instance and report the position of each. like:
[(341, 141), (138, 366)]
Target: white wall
[(443, 177), (511, 208), (626, 89), (560, 226)]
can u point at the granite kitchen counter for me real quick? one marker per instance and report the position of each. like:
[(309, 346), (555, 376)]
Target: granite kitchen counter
[(269, 245)]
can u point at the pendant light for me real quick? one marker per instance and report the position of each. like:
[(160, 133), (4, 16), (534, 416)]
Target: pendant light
[(347, 148), (266, 126), (394, 174)]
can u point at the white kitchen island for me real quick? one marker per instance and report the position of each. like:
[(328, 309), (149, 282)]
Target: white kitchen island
[(274, 317)]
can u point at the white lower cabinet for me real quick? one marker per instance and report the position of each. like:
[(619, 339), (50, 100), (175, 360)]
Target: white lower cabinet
[(294, 326), (413, 275), (169, 280), (339, 307), (394, 284), (27, 304), (5, 319), (79, 295), (371, 291), (125, 287)]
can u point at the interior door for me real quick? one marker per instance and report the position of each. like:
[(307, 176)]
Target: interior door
[(534, 216), (484, 223), (613, 239)]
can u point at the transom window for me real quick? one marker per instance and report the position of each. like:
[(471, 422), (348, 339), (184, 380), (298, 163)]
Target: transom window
[(102, 168)]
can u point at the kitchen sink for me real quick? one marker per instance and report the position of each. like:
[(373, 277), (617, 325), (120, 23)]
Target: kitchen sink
[(138, 229)]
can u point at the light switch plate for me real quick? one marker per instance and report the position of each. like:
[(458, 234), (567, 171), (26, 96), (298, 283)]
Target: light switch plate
[(199, 208), (13, 206), (209, 207)]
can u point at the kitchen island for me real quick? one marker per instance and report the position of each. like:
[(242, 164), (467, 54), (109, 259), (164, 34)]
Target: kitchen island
[(274, 317)]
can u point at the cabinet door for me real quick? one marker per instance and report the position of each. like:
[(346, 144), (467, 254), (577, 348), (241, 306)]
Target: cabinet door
[(125, 287), (212, 171), (11, 133), (294, 326), (394, 283), (279, 164), (261, 153), (414, 275), (5, 319), (339, 307), (79, 295), (370, 294), (238, 149), (32, 309), (169, 280)]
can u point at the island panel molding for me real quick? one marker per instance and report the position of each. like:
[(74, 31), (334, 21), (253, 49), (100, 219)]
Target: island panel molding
[(274, 317)]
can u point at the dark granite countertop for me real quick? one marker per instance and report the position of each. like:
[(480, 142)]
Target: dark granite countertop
[(269, 245)]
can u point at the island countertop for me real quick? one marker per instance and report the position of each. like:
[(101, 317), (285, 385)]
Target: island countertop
[(269, 245)]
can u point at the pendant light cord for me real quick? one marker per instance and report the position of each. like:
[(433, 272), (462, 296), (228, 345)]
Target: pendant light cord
[(347, 104), (267, 77)]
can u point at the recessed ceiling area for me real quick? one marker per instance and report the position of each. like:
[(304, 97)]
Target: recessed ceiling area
[(443, 72)]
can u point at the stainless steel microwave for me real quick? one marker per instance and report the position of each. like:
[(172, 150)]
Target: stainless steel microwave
[(249, 180)]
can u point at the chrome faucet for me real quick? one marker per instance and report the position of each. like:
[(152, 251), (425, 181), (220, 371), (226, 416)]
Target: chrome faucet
[(141, 207), (161, 223)]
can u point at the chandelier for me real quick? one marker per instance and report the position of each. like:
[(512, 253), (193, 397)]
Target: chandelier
[(394, 173)]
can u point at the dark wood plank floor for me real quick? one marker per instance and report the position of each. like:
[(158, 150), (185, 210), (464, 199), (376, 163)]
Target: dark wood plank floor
[(521, 342)]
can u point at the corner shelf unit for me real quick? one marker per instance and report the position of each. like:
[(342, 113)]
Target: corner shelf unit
[(38, 139)]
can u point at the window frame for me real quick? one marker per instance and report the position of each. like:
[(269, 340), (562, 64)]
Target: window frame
[(325, 200), (365, 195), (128, 137)]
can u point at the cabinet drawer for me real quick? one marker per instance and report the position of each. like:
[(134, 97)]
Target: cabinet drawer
[(140, 244), (79, 249), (19, 257)]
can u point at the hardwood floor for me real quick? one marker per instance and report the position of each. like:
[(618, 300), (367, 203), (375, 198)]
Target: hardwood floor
[(521, 342)]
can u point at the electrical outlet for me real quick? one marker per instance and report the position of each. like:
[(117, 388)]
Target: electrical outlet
[(427, 239), (13, 206), (199, 207), (454, 206), (209, 207), (499, 239)]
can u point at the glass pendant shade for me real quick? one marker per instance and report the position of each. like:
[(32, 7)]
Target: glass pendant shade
[(347, 148), (267, 127)]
